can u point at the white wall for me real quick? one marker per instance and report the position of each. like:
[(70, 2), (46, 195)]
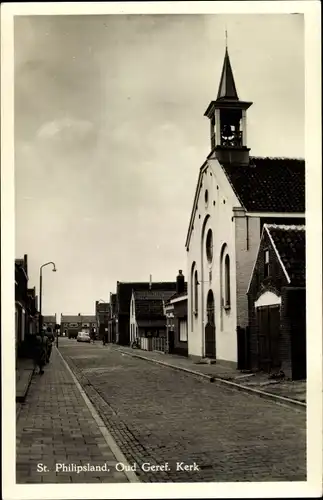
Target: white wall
[(223, 227)]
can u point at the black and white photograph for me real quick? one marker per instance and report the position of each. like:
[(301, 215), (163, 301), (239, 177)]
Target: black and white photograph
[(159, 205)]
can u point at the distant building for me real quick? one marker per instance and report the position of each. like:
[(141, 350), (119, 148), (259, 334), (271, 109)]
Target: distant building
[(26, 313), (123, 299), (71, 325), (236, 194), (148, 319), (112, 317), (102, 312), (176, 313), (21, 300), (49, 322), (277, 302)]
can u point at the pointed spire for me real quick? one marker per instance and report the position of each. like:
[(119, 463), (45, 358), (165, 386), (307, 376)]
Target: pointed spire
[(227, 88)]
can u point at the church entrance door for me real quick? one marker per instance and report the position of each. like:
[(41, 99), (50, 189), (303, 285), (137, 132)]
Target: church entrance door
[(210, 343)]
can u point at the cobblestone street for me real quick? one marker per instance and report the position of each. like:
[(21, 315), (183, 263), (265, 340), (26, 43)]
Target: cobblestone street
[(157, 415)]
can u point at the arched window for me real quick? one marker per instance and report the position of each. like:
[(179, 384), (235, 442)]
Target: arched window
[(192, 288), (196, 293), (227, 298)]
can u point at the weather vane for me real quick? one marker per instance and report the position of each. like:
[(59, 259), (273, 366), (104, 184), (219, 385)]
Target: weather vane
[(226, 38)]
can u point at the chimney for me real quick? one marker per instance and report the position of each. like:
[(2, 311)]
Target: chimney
[(25, 265), (150, 282), (180, 281)]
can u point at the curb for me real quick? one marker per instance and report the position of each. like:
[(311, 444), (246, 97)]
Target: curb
[(282, 400), (131, 476)]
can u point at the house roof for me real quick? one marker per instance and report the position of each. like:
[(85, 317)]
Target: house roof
[(290, 243), (124, 292), (269, 184), (78, 319), (150, 303), (49, 319), (273, 185), (178, 295), (102, 307)]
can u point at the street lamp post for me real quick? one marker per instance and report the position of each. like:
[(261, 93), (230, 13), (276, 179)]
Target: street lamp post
[(41, 291)]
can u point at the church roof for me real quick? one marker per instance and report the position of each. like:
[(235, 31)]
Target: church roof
[(289, 243), (269, 184), (265, 185), (227, 88)]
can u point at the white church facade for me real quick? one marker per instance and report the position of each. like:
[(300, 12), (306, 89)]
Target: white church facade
[(235, 195)]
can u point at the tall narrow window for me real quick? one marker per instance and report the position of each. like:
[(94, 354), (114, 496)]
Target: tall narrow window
[(196, 293), (227, 297), (266, 263), (192, 294)]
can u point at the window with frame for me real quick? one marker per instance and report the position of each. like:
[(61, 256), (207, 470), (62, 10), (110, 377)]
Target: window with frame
[(183, 330), (196, 283), (73, 325), (227, 292), (266, 262)]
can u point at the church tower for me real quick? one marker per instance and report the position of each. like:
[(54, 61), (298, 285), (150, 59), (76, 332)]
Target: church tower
[(228, 121)]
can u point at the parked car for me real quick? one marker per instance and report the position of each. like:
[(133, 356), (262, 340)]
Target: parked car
[(72, 335), (83, 337)]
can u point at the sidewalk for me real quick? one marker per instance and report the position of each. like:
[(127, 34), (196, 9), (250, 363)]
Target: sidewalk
[(56, 427), (284, 391)]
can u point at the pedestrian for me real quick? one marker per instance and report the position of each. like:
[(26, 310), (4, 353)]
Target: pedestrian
[(41, 351), (105, 336), (50, 338), (93, 335)]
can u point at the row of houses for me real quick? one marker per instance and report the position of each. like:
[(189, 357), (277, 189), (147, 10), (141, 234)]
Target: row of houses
[(244, 302), (26, 308), (71, 325)]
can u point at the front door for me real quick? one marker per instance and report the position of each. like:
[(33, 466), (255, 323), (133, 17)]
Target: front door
[(268, 338), (210, 340)]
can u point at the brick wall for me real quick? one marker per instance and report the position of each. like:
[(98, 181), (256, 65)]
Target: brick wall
[(247, 232), (276, 283)]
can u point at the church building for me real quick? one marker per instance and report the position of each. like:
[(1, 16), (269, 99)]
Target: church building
[(236, 194)]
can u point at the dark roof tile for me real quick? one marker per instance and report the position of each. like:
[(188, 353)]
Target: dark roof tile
[(124, 292), (290, 242), (269, 184)]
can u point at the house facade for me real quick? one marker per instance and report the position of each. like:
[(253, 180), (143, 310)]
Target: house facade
[(26, 309), (123, 299), (277, 303), (148, 319), (71, 325), (176, 319), (102, 312), (112, 318), (236, 195)]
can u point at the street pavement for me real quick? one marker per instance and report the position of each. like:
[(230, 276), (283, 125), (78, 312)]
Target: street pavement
[(55, 429), (186, 428)]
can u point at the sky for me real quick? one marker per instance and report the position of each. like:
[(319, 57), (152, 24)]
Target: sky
[(110, 134)]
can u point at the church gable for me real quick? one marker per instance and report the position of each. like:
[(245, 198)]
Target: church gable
[(213, 189)]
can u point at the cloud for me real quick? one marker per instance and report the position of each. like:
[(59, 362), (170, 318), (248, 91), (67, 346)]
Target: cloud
[(65, 128)]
